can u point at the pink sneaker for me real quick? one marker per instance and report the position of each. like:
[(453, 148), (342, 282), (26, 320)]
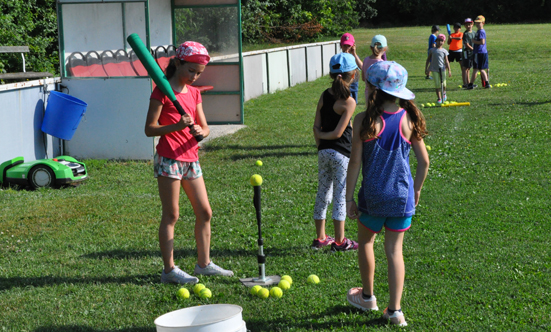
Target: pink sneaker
[(356, 299), (346, 245), (397, 318), (317, 244)]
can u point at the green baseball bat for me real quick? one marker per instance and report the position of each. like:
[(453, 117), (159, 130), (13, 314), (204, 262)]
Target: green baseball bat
[(156, 73)]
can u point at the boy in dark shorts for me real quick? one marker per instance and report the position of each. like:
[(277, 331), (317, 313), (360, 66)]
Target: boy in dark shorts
[(480, 54), (467, 62), (455, 42)]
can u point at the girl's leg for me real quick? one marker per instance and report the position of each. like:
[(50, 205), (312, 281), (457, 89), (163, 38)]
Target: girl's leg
[(339, 164), (323, 196), (366, 257), (169, 191), (320, 229), (197, 194), (396, 267)]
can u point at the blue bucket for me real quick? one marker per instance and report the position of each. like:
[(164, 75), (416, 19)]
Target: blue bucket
[(63, 115)]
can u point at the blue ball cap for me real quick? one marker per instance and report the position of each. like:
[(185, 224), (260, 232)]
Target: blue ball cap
[(342, 63)]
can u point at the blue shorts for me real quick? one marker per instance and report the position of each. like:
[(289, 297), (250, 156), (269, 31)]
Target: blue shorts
[(480, 61), (394, 224)]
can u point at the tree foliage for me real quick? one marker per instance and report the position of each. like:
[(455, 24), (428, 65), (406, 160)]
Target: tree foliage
[(301, 20), (429, 12), (30, 23)]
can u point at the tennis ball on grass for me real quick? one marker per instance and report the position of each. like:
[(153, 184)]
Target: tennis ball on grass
[(313, 279), (428, 147), (183, 293), (288, 278), (284, 284), (256, 180), (263, 293), (276, 292), (255, 289), (205, 293), (258, 163), (197, 288), (422, 105)]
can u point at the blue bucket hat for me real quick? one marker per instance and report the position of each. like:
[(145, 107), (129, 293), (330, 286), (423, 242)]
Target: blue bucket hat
[(391, 78), (342, 63)]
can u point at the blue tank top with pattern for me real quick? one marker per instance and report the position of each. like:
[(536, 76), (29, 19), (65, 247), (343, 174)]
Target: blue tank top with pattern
[(387, 185)]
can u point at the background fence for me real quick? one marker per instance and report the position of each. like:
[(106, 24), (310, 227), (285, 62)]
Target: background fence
[(23, 104)]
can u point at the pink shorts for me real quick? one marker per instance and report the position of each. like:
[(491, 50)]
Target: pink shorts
[(176, 169)]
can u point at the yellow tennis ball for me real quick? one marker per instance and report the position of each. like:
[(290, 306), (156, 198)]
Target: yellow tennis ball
[(422, 105), (288, 278), (255, 289), (256, 180), (428, 147), (258, 163), (205, 293), (276, 292), (313, 279), (197, 288), (183, 293), (284, 284), (263, 293)]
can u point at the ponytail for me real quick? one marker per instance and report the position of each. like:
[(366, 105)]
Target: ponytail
[(417, 117), (377, 98), (171, 68), (376, 50), (341, 85)]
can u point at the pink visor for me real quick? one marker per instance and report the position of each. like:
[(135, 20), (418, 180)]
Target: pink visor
[(191, 51)]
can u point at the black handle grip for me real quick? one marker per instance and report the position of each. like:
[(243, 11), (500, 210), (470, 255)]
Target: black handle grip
[(180, 109)]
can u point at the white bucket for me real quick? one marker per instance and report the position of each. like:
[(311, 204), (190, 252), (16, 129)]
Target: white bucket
[(206, 318)]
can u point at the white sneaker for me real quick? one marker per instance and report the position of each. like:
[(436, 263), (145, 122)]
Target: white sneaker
[(356, 299), (397, 318), (212, 270), (177, 276)]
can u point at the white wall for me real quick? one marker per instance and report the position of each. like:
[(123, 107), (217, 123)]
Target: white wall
[(267, 71)]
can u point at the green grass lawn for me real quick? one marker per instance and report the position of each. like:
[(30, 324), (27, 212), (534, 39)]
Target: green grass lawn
[(477, 255)]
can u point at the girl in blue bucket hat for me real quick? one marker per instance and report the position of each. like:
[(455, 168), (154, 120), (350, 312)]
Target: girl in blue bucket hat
[(382, 138), (333, 135)]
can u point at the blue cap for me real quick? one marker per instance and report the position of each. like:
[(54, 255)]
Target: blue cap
[(378, 39), (342, 63)]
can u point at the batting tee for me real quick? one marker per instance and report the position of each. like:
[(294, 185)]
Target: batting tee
[(99, 67)]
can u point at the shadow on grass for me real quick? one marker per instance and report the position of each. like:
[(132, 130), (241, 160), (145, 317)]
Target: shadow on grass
[(21, 282), (311, 322), (179, 253), (522, 103), (77, 328), (210, 148)]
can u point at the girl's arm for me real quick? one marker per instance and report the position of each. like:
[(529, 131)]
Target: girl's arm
[(201, 128), (420, 154), (152, 126), (359, 62), (317, 121), (346, 109), (449, 67), (422, 166), (354, 166), (427, 64)]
